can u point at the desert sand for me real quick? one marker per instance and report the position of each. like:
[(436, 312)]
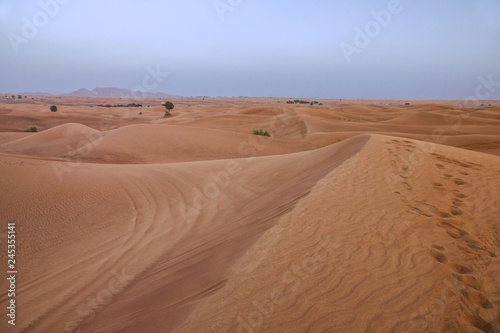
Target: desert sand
[(354, 216)]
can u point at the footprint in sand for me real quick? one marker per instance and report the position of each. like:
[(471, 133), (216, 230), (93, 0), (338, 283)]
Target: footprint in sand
[(465, 165), (479, 323), (468, 281), (459, 195), (421, 212), (442, 214), (453, 231), (459, 181), (460, 269), (437, 252), (455, 211)]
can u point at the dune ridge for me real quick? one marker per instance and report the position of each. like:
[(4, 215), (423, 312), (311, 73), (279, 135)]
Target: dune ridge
[(403, 260), (150, 213)]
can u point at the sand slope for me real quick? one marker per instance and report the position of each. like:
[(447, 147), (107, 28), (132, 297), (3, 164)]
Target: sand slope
[(57, 141), (381, 245), (142, 221)]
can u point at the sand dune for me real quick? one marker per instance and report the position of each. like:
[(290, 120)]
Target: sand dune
[(147, 144), (57, 141), (351, 218), (167, 144), (151, 209), (412, 255)]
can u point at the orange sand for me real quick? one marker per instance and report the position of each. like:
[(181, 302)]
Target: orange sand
[(350, 218)]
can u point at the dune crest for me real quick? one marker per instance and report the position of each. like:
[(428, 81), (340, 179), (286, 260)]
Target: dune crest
[(161, 222), (67, 139), (406, 252)]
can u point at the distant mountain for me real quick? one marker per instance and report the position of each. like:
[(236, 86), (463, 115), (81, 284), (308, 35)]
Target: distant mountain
[(115, 92), (79, 92)]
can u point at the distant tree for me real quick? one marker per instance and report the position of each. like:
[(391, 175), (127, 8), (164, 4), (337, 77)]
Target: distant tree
[(169, 106), (53, 108)]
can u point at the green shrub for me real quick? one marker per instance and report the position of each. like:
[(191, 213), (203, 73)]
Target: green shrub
[(32, 129), (53, 108), (261, 132)]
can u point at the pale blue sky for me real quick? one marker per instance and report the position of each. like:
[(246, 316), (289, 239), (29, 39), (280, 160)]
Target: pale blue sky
[(430, 49)]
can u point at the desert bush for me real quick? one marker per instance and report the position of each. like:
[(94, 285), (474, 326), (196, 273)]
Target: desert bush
[(261, 132), (32, 129), (53, 108)]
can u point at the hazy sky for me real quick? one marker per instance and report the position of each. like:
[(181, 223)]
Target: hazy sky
[(388, 49)]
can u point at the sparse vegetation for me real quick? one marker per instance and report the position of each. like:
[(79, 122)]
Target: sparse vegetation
[(140, 113), (299, 101), (169, 106), (53, 108), (32, 129), (261, 132)]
